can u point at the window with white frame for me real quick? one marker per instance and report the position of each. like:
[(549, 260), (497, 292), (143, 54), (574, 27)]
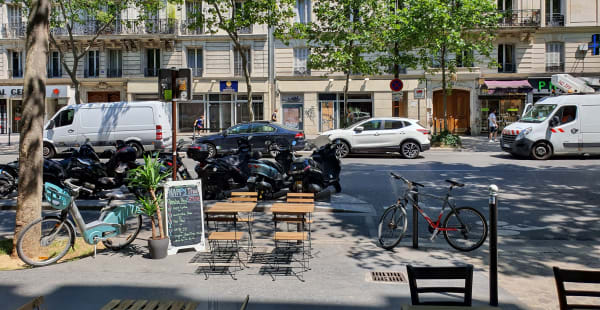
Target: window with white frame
[(92, 65), (237, 61), (54, 65), (506, 58), (300, 61), (555, 57), (193, 13), (303, 11), (17, 64), (152, 62), (14, 15), (194, 61)]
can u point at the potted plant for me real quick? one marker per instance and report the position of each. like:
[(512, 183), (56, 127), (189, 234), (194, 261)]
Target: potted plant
[(148, 178)]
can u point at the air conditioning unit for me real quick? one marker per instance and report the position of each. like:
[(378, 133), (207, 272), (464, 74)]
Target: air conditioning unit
[(583, 47)]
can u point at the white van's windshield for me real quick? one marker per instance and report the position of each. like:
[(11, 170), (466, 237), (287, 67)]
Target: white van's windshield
[(538, 113)]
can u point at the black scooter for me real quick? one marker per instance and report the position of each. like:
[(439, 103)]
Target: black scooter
[(271, 178), (166, 159), (220, 175), (53, 172), (316, 173)]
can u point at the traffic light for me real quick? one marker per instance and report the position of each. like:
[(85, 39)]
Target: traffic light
[(180, 90)]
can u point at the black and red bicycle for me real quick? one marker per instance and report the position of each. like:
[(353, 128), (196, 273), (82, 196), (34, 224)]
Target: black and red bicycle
[(464, 228)]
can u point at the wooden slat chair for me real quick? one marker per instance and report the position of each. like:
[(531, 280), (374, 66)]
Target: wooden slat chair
[(216, 238), (245, 197), (294, 240), (304, 198), (575, 276), (440, 273)]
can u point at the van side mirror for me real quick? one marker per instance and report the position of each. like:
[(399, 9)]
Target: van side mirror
[(554, 121), (359, 129), (50, 124)]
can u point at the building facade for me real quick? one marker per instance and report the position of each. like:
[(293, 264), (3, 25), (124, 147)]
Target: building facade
[(536, 38)]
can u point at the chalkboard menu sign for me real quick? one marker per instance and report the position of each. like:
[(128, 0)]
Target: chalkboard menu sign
[(184, 216)]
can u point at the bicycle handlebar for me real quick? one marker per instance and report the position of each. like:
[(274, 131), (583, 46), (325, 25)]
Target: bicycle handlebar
[(399, 177), (75, 188)]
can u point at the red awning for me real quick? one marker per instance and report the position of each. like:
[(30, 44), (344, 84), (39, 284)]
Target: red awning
[(518, 84)]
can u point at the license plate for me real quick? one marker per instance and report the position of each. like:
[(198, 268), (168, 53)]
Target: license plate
[(252, 179), (299, 183)]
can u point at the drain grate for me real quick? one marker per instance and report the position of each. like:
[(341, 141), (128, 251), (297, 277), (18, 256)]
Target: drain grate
[(387, 276)]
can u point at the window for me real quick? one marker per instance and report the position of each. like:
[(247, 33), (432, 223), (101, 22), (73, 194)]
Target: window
[(389, 124), (54, 65), (261, 128), (554, 16), (239, 129), (239, 6), (115, 63), (237, 62), (505, 5), (15, 18), (242, 112), (464, 59), (372, 125), (193, 23), (300, 61), (152, 62), (566, 114), (555, 57), (303, 11), (506, 58), (92, 68), (65, 118), (152, 22), (17, 64), (194, 61)]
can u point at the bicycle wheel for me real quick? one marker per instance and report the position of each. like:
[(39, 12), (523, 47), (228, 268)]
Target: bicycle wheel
[(53, 243), (127, 235), (470, 229), (392, 226)]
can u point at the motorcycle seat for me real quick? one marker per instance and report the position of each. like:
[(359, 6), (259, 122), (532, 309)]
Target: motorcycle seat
[(107, 181), (117, 195)]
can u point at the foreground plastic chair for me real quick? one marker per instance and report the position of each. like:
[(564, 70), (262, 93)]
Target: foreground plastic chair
[(575, 276), (440, 273)]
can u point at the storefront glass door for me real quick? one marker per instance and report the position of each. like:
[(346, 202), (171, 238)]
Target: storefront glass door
[(3, 117), (16, 115), (189, 112), (219, 112)]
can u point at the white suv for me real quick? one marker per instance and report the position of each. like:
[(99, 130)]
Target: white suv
[(381, 134)]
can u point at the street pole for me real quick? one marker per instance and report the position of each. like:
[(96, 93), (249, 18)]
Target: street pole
[(174, 123), (493, 245), (415, 219)]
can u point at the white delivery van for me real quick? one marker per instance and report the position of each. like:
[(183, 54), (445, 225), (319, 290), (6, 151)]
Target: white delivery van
[(568, 124), (144, 125)]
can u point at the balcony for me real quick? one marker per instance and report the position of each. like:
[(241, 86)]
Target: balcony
[(87, 73), (245, 30), (150, 72), (126, 26), (508, 68), (519, 18), (54, 74), (555, 20), (13, 30), (555, 68), (15, 74), (191, 27), (114, 73), (197, 72), (301, 71)]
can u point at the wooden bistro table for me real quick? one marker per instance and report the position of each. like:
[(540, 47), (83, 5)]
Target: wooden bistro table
[(228, 212), (302, 213)]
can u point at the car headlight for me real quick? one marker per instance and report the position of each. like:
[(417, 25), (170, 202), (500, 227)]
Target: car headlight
[(524, 133)]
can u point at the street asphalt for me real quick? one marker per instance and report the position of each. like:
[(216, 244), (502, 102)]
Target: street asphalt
[(547, 215)]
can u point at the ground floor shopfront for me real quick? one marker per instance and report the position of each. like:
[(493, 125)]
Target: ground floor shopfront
[(11, 104)]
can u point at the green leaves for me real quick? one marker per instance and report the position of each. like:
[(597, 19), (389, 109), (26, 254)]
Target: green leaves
[(148, 176)]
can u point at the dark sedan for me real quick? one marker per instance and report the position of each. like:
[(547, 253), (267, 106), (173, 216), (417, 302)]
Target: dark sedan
[(265, 137)]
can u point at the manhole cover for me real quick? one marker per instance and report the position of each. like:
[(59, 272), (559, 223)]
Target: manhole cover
[(387, 276)]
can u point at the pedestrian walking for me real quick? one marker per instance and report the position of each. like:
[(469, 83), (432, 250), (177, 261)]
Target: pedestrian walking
[(493, 123), (198, 125), (274, 116)]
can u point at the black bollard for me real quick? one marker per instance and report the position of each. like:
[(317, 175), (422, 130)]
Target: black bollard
[(493, 245), (415, 219)]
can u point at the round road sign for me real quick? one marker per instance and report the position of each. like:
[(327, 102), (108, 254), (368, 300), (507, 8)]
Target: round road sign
[(396, 85)]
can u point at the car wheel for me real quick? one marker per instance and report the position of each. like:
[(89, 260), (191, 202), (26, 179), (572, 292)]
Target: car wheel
[(212, 150), (409, 150), (541, 151), (139, 150), (342, 149), (273, 150), (48, 150)]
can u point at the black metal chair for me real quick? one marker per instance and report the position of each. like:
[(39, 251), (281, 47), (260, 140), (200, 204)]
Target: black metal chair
[(575, 276), (440, 273)]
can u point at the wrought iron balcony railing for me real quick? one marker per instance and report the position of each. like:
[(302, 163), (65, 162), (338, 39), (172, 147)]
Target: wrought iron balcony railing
[(301, 71), (555, 68), (507, 68), (13, 30), (114, 73), (197, 72), (520, 18), (15, 74), (93, 73), (191, 27), (150, 72), (555, 20)]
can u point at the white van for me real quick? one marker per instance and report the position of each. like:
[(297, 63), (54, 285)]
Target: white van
[(568, 124), (144, 125)]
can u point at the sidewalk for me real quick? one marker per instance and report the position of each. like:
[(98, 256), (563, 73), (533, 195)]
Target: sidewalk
[(472, 144)]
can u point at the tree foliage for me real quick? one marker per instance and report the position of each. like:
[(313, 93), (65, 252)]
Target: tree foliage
[(235, 18)]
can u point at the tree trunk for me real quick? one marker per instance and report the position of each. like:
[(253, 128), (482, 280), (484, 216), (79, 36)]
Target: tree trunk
[(161, 231), (445, 98), (77, 91), (153, 223), (29, 199), (248, 82)]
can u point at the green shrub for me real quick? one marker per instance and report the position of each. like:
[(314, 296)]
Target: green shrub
[(446, 138)]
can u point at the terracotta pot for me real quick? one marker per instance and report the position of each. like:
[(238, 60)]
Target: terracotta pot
[(158, 247)]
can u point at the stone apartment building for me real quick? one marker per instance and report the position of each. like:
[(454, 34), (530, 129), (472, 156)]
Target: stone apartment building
[(536, 38)]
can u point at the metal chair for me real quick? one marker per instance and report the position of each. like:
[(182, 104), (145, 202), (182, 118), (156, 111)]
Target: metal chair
[(440, 273), (575, 276)]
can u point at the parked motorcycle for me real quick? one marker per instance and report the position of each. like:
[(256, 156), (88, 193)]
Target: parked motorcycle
[(166, 159), (319, 171), (271, 179), (222, 174), (52, 172)]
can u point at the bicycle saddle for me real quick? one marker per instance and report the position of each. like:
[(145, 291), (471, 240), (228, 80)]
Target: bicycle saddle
[(454, 183)]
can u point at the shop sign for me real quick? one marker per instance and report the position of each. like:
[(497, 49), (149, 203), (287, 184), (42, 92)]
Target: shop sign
[(292, 99), (542, 86), (228, 86), (419, 93), (52, 91)]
